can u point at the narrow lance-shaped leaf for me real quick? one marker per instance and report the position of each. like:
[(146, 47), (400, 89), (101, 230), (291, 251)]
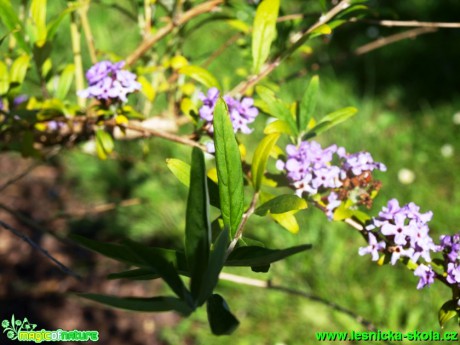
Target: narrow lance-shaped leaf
[(10, 19), (259, 162), (104, 144), (260, 256), (264, 31), (330, 121), (19, 69), (221, 320), (447, 312), (181, 170), (229, 168), (163, 267), (308, 104), (38, 14), (153, 304), (197, 227), (200, 74), (65, 81), (276, 108), (216, 262), (4, 78), (282, 204)]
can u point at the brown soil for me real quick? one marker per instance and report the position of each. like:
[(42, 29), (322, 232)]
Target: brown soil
[(33, 287)]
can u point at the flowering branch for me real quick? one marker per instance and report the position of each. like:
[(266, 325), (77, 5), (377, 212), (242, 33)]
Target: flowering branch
[(176, 22)]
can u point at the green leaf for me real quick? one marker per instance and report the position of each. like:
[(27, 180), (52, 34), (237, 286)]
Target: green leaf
[(53, 26), (136, 274), (229, 169), (181, 170), (163, 267), (330, 121), (278, 126), (264, 31), (215, 264), (308, 104), (324, 29), (104, 144), (200, 74), (115, 251), (4, 78), (447, 312), (197, 227), (276, 107), (10, 19), (19, 69), (287, 220), (221, 320), (146, 88), (152, 304), (65, 81), (255, 256), (282, 204), (259, 162), (38, 15)]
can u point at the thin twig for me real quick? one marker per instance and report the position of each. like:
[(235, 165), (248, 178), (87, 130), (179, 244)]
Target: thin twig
[(164, 135), (76, 50), (269, 67), (99, 208), (18, 177), (177, 22), (239, 231), (34, 245), (83, 12), (221, 49), (408, 23), (270, 286), (383, 41)]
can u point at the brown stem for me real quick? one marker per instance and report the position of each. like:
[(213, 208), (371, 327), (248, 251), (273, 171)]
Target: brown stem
[(408, 23), (383, 41), (147, 43)]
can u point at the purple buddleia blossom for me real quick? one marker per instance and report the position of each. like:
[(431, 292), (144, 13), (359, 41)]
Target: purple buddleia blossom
[(107, 81), (453, 273), (450, 245), (426, 275), (332, 203), (406, 230), (18, 100), (1, 104), (357, 163), (373, 248), (241, 112)]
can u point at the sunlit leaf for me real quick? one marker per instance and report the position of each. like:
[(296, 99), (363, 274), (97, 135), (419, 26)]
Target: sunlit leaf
[(4, 78), (287, 220), (229, 168), (259, 161), (331, 120), (104, 144), (282, 204), (10, 19), (200, 74), (38, 15), (146, 88), (65, 81), (278, 126), (308, 104), (449, 310), (19, 69), (264, 31)]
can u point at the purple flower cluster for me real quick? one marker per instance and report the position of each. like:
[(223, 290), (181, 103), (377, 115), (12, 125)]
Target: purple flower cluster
[(406, 233), (241, 112), (107, 81), (310, 168), (450, 246)]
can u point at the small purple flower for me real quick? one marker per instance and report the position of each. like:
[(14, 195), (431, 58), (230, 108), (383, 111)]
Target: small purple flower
[(107, 81), (426, 275), (241, 112), (373, 248), (360, 162), (453, 273), (450, 245), (332, 203)]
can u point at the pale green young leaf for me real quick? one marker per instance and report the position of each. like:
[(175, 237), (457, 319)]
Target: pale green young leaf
[(19, 69), (65, 81), (4, 78), (200, 74), (282, 204), (38, 15), (308, 104), (264, 31), (259, 162)]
